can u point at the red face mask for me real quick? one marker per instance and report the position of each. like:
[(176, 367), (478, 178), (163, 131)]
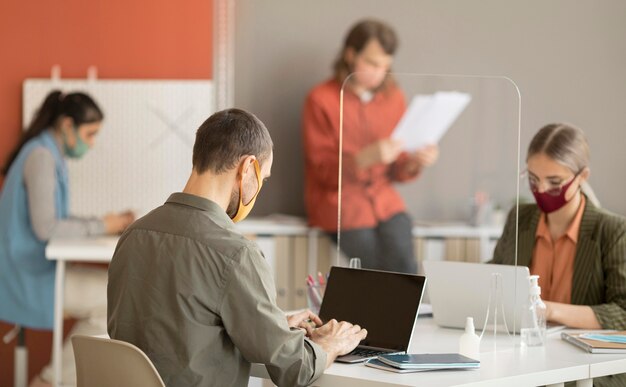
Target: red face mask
[(551, 200)]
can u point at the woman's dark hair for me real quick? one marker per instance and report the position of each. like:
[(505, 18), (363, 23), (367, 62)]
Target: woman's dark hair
[(358, 37), (78, 106)]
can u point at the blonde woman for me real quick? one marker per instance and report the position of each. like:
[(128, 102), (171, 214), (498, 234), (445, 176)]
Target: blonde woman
[(577, 249)]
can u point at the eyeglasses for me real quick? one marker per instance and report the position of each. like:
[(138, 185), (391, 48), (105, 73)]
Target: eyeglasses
[(554, 189)]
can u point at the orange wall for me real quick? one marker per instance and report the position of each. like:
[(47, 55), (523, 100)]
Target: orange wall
[(123, 38)]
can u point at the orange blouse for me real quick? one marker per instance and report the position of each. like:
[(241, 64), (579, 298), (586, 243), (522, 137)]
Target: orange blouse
[(368, 194), (554, 261)]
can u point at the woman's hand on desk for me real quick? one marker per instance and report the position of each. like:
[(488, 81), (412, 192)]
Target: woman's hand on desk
[(572, 316), (336, 338), (116, 223)]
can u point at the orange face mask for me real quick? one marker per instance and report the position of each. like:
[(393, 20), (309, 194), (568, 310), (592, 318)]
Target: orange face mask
[(244, 209)]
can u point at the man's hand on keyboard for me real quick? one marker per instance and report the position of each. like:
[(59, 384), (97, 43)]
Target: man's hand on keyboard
[(305, 320), (336, 338)]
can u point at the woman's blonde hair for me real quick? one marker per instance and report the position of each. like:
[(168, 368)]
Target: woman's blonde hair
[(568, 146)]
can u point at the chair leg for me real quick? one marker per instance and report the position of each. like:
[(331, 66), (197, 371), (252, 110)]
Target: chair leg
[(21, 367), (20, 356)]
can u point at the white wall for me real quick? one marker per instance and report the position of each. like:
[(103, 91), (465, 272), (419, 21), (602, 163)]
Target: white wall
[(568, 58)]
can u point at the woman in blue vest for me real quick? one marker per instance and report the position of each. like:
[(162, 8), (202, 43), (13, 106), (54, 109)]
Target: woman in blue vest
[(34, 207)]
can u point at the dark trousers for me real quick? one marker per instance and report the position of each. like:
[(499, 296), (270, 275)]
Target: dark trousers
[(387, 247)]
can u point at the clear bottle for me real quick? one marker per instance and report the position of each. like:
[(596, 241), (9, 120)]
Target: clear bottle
[(533, 329), (469, 343), (355, 263)]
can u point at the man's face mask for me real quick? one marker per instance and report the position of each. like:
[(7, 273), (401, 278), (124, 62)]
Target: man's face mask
[(244, 209), (553, 199), (78, 150)]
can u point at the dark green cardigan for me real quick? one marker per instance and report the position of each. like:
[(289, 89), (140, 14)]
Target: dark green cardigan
[(599, 265)]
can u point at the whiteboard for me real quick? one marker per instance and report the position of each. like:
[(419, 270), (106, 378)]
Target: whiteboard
[(143, 151)]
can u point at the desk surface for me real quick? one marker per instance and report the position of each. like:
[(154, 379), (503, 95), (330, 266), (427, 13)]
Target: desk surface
[(503, 362)]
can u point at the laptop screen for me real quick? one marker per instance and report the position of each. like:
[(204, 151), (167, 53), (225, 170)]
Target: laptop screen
[(459, 290), (384, 303)]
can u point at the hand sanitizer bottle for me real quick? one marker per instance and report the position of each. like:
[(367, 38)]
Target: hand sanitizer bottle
[(469, 344), (533, 329)]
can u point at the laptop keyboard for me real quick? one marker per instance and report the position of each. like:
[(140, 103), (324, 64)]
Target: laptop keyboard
[(368, 352)]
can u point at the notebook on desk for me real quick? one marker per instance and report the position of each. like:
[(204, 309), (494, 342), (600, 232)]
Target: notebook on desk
[(458, 290), (430, 361), (384, 303), (596, 346)]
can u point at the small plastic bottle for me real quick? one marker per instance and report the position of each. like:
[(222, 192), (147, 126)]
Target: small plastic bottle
[(533, 329), (469, 343)]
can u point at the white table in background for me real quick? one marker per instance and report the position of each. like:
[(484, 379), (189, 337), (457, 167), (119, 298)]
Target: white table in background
[(503, 363)]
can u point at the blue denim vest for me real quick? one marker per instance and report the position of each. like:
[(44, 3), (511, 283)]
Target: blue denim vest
[(26, 276)]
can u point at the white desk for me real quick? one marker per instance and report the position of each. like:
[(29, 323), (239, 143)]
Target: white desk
[(510, 365), (101, 250), (507, 365)]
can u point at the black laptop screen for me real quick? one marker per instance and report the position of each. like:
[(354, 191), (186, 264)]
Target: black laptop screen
[(384, 303)]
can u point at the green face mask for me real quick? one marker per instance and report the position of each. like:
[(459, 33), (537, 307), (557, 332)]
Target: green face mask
[(78, 150)]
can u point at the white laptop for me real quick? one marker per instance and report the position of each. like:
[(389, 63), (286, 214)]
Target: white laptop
[(458, 290), (384, 303)]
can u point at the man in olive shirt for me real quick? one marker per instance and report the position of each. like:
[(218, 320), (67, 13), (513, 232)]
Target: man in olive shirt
[(196, 296)]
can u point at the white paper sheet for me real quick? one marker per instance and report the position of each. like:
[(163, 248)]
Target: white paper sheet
[(428, 117)]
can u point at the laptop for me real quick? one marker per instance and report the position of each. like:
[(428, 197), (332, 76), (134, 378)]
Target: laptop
[(384, 303), (458, 290)]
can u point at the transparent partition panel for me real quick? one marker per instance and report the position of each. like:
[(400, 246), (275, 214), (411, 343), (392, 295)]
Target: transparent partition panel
[(429, 168)]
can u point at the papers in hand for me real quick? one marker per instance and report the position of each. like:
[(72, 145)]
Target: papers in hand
[(428, 117)]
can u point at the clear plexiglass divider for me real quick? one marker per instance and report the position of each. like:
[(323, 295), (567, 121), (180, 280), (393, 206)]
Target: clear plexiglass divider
[(429, 168)]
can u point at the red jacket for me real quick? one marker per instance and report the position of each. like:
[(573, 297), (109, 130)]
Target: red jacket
[(368, 194)]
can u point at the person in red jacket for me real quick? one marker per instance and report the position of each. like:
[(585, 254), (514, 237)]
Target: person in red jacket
[(374, 223)]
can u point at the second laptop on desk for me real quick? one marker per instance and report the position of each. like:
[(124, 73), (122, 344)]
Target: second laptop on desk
[(384, 303), (458, 290)]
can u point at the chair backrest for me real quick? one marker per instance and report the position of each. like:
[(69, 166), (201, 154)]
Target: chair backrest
[(103, 362)]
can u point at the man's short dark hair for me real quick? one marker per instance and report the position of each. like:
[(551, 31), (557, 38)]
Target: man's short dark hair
[(228, 135)]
